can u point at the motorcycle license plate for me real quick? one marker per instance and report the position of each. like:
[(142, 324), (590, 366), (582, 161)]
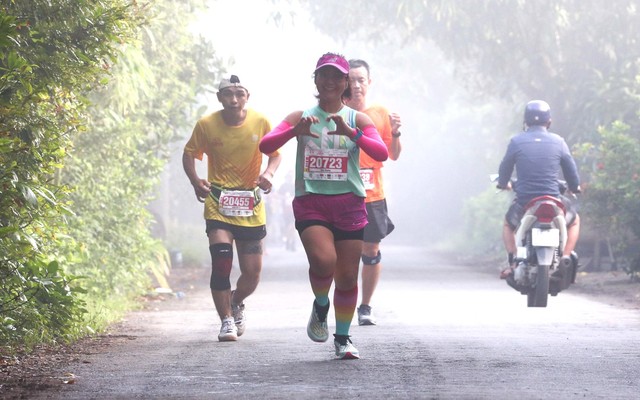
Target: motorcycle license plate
[(545, 237)]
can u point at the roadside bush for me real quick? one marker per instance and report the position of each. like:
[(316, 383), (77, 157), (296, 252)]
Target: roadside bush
[(91, 93), (483, 217), (39, 113), (611, 199)]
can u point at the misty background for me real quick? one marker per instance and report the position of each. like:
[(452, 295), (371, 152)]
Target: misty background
[(453, 136), (444, 158), (98, 113)]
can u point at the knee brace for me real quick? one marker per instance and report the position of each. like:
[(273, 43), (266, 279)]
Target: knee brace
[(366, 260), (221, 261)]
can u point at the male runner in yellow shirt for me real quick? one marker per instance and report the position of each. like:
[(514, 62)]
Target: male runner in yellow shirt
[(234, 210)]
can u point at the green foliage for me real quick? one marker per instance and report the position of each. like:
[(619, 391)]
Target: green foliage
[(75, 180), (483, 216), (40, 110), (580, 56), (612, 193), (613, 187), (117, 162), (37, 295), (633, 269)]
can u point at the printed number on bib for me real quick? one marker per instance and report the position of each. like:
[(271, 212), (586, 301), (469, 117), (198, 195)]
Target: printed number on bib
[(367, 178), (236, 203), (326, 164)]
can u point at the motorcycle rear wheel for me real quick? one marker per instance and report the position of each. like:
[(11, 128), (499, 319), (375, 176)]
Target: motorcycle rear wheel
[(538, 295)]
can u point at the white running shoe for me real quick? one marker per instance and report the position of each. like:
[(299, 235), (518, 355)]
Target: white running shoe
[(238, 316), (365, 316), (346, 351), (228, 331), (317, 328)]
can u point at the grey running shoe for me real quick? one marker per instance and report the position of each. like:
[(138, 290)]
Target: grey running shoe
[(365, 317), (345, 350), (238, 315), (228, 331), (317, 328)]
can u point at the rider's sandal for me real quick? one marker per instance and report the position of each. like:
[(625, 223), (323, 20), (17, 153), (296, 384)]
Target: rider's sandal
[(507, 272)]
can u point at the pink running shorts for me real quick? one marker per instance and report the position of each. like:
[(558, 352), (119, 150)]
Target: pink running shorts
[(346, 211)]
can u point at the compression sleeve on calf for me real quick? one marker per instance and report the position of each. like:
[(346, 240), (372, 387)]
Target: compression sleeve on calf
[(278, 136), (371, 143), (221, 263)]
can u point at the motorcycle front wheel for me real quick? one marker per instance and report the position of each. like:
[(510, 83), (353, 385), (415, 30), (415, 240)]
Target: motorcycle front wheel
[(538, 295)]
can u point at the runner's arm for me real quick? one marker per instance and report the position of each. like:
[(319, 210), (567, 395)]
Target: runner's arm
[(202, 187), (396, 146), (292, 126), (368, 139), (277, 138), (265, 180)]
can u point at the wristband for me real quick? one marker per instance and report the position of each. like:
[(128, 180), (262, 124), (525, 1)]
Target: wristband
[(357, 136), (397, 134)]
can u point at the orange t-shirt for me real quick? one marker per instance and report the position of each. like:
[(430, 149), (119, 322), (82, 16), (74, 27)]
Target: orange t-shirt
[(370, 169)]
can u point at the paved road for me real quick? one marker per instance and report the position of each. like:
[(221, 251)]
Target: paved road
[(445, 332)]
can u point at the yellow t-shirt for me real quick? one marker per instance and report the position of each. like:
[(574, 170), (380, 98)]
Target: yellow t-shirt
[(375, 186), (234, 159)]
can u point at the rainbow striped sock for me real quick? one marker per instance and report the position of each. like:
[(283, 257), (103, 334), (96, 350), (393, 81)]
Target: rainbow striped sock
[(344, 304), (320, 287)]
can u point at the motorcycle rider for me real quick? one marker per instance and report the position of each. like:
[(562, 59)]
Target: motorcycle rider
[(538, 157)]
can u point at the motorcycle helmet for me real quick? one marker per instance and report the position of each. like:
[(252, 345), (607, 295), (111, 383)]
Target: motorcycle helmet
[(537, 112)]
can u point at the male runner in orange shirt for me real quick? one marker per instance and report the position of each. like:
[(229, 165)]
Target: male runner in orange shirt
[(380, 225)]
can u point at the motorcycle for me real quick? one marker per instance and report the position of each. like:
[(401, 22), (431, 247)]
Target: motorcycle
[(541, 234)]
